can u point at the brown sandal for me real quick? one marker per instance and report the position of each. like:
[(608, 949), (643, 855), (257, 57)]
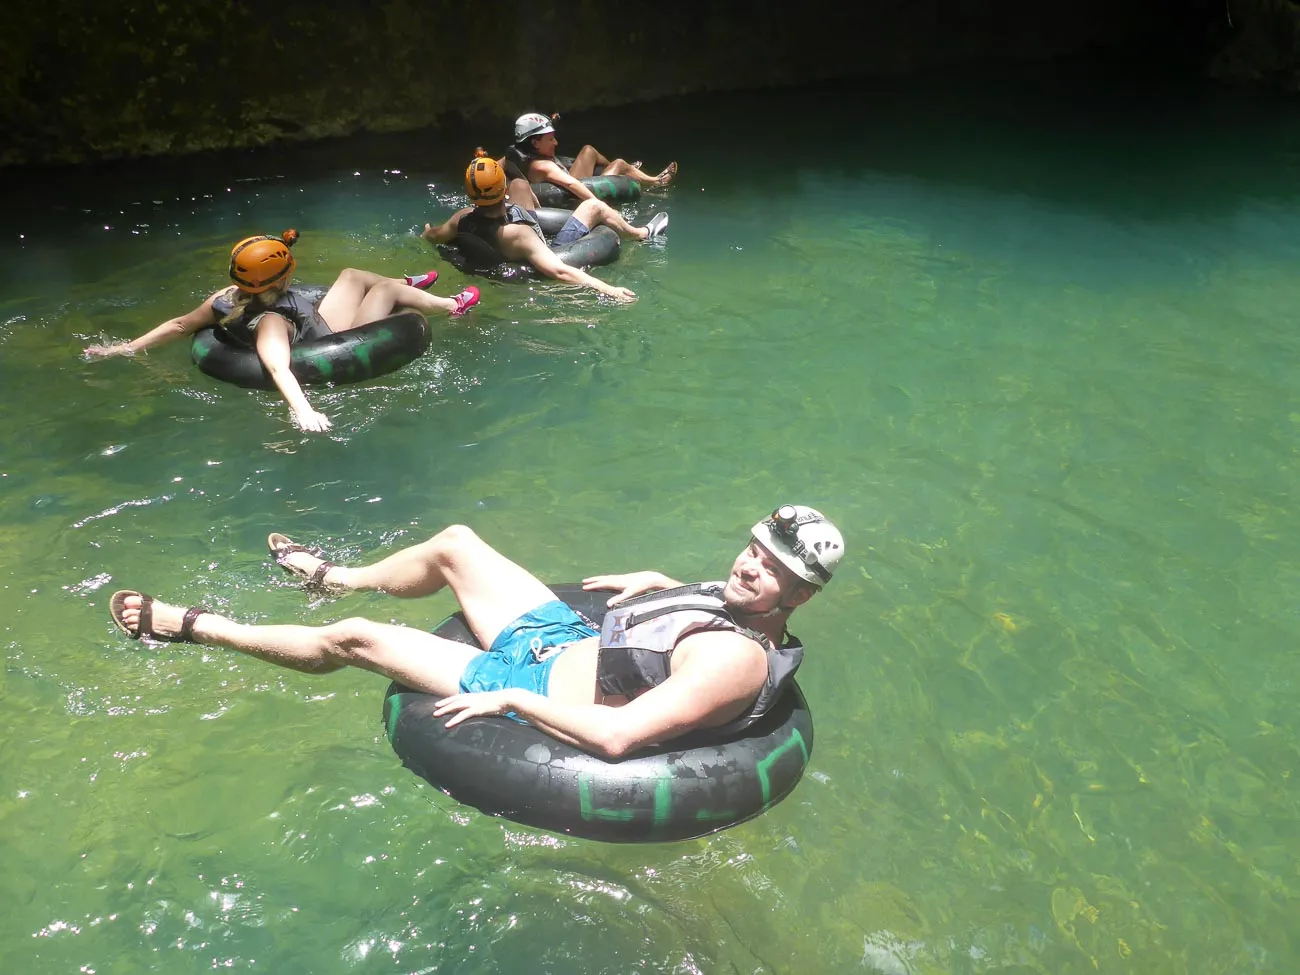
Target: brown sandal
[(282, 546), (117, 606), (667, 176)]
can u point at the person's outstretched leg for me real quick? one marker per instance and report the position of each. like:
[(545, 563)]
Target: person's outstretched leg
[(419, 660), (593, 213), (340, 304), (586, 162), (392, 293), (492, 590), (621, 167), (358, 297)]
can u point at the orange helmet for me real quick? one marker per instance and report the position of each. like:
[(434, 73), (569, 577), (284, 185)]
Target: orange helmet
[(485, 181), (260, 263)]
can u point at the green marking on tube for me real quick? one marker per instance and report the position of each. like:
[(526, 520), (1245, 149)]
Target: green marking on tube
[(795, 740), (590, 812), (322, 365), (394, 712), (663, 799), (663, 802), (722, 815)]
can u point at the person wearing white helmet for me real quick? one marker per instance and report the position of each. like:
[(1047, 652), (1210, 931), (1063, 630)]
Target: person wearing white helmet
[(668, 658), (532, 157), (804, 540)]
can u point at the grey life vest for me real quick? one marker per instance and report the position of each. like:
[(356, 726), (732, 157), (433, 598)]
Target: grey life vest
[(296, 307), (637, 639)]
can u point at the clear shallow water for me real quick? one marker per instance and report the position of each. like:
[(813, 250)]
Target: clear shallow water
[(1031, 346)]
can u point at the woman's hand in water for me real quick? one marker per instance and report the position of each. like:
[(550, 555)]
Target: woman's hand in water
[(312, 421), (99, 351)]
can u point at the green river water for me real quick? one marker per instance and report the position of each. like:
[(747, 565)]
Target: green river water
[(1031, 345)]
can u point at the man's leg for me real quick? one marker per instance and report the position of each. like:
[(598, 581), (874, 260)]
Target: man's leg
[(417, 659), (492, 591), (596, 212)]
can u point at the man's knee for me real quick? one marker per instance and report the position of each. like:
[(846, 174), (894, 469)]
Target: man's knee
[(349, 641), (455, 545), (593, 212), (457, 536)]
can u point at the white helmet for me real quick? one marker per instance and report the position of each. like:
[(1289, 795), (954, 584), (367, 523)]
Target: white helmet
[(804, 540), (527, 126)]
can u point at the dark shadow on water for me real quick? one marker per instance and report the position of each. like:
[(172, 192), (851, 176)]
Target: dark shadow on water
[(1039, 130), (1083, 137)]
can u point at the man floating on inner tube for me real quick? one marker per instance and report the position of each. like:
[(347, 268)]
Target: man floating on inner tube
[(532, 158), (261, 312), (512, 231), (709, 655)]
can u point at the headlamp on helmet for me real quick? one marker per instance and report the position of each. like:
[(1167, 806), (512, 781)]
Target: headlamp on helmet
[(804, 541)]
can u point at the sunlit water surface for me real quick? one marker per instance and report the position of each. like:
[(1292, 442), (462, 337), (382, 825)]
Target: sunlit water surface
[(1032, 346)]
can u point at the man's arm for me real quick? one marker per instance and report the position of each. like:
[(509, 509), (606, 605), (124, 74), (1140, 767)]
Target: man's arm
[(519, 243), (554, 173), (711, 688), (630, 584), (446, 231)]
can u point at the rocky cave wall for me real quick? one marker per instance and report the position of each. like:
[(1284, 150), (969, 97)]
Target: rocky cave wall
[(87, 80)]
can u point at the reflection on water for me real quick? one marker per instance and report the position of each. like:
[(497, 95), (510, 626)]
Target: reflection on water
[(1032, 350)]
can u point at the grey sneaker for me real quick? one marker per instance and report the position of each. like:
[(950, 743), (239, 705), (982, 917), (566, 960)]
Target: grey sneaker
[(656, 225)]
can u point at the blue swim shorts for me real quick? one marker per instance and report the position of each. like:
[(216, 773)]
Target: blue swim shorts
[(515, 658), (573, 229)]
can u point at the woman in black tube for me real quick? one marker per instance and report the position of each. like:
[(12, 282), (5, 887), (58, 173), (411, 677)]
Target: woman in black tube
[(261, 311)]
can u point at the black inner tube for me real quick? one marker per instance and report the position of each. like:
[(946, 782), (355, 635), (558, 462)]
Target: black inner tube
[(470, 255), (614, 190), (371, 350), (688, 787)]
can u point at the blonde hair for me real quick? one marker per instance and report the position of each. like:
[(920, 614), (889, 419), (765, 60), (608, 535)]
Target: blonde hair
[(246, 302)]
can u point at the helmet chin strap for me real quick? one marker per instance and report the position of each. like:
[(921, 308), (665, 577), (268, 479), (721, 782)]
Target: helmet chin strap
[(780, 609)]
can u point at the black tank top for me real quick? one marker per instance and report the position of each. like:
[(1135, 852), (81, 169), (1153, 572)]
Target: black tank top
[(488, 229)]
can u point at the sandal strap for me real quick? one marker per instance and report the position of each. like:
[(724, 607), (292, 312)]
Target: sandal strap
[(187, 623), (145, 626), (317, 581)]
